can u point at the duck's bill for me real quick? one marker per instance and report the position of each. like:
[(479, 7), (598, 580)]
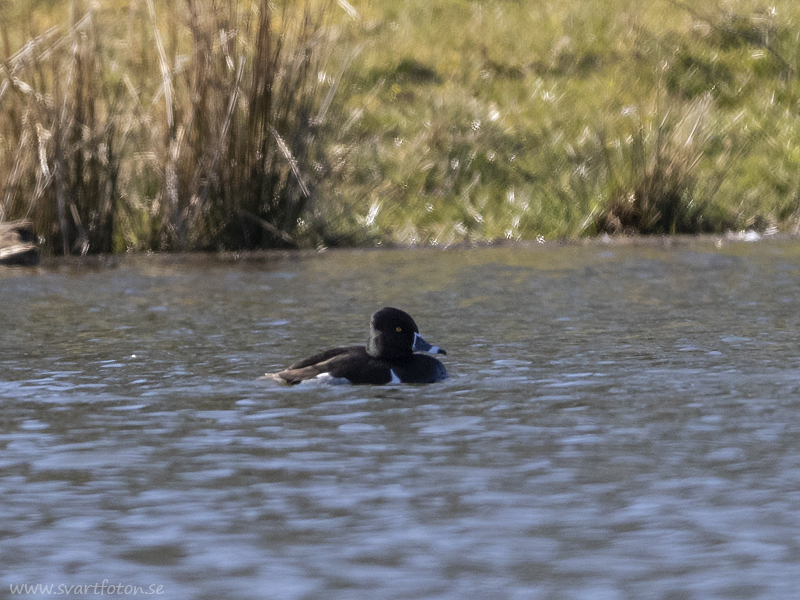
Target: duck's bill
[(420, 345)]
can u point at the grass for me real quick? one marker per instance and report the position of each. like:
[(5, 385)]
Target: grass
[(200, 125)]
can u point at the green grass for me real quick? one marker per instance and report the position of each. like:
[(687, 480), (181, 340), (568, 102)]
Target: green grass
[(395, 121)]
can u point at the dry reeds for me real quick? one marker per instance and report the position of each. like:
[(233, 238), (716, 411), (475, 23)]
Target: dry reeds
[(198, 126), (57, 151)]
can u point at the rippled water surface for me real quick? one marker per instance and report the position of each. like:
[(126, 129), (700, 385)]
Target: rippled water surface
[(621, 422)]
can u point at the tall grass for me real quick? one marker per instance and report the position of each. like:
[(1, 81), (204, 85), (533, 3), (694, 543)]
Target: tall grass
[(194, 125), (202, 124), (242, 147), (656, 180), (58, 151)]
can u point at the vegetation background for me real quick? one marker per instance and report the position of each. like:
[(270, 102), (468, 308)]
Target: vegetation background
[(237, 124)]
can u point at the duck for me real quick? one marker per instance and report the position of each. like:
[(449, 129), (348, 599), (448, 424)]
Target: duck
[(390, 356)]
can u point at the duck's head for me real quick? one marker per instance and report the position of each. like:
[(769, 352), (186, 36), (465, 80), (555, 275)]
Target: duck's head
[(393, 334)]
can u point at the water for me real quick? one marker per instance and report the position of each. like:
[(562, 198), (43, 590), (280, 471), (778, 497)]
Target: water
[(621, 422)]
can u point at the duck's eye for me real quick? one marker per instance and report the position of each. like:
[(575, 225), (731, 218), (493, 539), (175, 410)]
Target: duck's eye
[(398, 329)]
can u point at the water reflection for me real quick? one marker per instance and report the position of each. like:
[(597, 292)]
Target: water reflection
[(620, 422)]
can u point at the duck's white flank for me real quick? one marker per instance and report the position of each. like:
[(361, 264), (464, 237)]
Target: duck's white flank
[(329, 379)]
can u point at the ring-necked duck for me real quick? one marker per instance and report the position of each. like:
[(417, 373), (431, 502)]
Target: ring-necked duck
[(388, 357)]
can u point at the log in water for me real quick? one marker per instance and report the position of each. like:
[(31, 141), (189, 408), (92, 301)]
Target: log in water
[(17, 244)]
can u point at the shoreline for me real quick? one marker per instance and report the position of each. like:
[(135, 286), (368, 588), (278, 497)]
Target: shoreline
[(224, 257)]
